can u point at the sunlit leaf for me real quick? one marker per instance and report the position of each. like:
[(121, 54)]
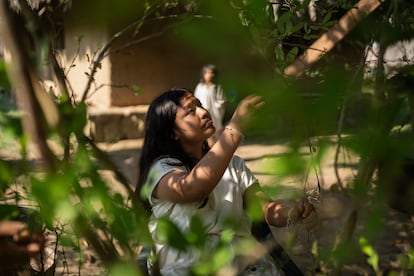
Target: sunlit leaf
[(68, 240), (227, 235), (197, 234), (222, 256), (136, 88), (66, 211), (124, 269), (288, 164), (219, 258), (4, 79), (169, 233), (254, 209), (370, 252), (280, 55)]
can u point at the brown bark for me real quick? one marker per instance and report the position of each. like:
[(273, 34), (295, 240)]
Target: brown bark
[(30, 97), (329, 39)]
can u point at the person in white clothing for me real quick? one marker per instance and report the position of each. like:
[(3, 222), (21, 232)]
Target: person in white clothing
[(212, 98), (183, 179)]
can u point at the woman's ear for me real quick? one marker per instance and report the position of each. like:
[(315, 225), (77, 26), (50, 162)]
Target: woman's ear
[(175, 135)]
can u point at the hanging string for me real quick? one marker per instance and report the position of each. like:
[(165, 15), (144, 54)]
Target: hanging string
[(314, 194), (312, 197)]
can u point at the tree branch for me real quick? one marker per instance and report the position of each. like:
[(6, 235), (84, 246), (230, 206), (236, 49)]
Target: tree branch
[(329, 39), (105, 49), (28, 93)]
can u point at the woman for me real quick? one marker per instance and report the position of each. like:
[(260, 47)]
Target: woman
[(211, 97), (181, 177)]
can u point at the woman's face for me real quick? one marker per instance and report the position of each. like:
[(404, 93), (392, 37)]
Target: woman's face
[(193, 123)]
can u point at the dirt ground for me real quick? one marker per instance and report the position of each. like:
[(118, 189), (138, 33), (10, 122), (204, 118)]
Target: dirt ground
[(395, 240), (392, 244)]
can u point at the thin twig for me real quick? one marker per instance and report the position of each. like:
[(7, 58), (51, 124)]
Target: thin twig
[(105, 49), (75, 56), (340, 126), (108, 162)]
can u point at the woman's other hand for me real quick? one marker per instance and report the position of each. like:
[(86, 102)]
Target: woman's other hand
[(306, 214)]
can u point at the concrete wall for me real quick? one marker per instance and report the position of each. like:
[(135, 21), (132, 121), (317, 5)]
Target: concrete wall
[(79, 54), (155, 66)]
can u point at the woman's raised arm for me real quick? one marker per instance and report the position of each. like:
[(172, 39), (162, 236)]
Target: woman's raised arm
[(185, 187)]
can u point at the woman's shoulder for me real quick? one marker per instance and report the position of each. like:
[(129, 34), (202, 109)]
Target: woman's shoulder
[(165, 162), (158, 169)]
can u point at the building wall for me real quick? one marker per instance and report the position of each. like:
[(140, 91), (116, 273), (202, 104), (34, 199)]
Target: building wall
[(172, 59), (154, 66), (78, 55), (85, 33)]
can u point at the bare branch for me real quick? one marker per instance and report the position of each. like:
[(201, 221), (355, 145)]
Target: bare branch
[(329, 39), (105, 49), (153, 35)]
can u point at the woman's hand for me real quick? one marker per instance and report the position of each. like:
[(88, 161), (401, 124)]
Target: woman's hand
[(305, 213), (244, 111)]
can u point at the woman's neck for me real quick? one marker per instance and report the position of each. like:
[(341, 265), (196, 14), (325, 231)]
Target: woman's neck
[(195, 151)]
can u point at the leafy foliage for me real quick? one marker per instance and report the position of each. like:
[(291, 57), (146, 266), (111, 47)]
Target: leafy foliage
[(327, 101)]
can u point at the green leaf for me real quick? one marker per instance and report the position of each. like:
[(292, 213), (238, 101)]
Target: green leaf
[(65, 210), (169, 233), (290, 164), (68, 240), (327, 17), (297, 27), (136, 88), (4, 79), (279, 54), (220, 257), (227, 235), (8, 211), (6, 175), (291, 55), (284, 18), (306, 28), (197, 234), (281, 27), (124, 269), (79, 38), (310, 36), (370, 252), (283, 21), (289, 27), (254, 209)]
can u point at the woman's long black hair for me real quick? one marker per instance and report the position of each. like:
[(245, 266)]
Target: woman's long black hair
[(159, 138)]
